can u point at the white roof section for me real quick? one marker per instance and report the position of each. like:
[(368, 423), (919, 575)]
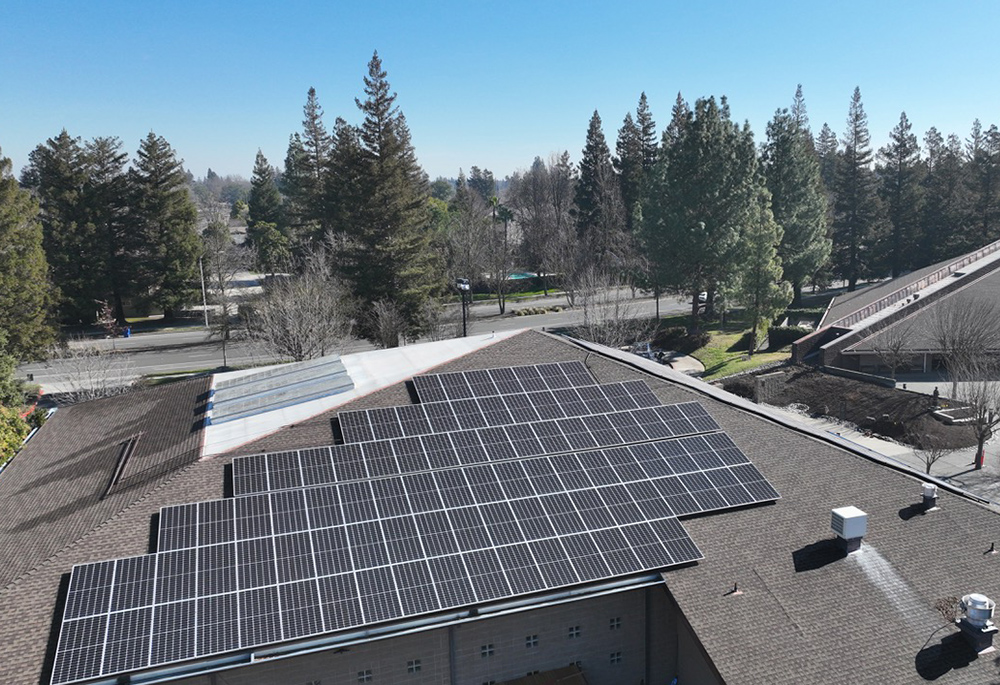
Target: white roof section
[(370, 371)]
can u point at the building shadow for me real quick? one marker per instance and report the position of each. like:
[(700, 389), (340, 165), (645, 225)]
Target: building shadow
[(950, 653)]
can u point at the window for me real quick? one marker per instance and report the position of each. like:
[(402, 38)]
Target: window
[(531, 641), (578, 664), (413, 666), (532, 673), (574, 632), (365, 676), (616, 657), (486, 650), (616, 623)]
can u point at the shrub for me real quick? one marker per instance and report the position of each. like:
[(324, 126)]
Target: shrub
[(13, 431), (779, 336), (676, 338)]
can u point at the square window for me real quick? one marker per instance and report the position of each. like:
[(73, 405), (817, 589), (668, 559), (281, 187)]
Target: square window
[(486, 650), (365, 676), (616, 657), (413, 666), (616, 623), (574, 632), (531, 641)]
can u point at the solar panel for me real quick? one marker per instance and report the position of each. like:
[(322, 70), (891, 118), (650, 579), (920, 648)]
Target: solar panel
[(503, 381), (439, 450), (366, 425)]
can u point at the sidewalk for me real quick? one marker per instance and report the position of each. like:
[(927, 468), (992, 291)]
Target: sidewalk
[(955, 468)]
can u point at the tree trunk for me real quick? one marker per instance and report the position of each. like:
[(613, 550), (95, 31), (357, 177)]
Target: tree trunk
[(695, 305), (796, 294)]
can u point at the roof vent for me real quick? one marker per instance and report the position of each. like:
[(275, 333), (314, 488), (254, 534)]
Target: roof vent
[(930, 496), (850, 524), (976, 626)]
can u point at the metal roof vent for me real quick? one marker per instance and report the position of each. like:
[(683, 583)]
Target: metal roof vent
[(850, 524), (930, 496), (976, 626)]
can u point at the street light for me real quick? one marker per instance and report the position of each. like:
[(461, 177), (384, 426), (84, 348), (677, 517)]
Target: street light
[(463, 287)]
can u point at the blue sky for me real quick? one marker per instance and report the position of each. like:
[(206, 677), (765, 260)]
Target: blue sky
[(481, 83)]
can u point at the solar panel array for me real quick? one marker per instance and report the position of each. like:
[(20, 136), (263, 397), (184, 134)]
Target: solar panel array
[(318, 465), (506, 381), (343, 536), (498, 410)]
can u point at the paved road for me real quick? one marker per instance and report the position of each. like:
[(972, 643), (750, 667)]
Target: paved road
[(192, 348)]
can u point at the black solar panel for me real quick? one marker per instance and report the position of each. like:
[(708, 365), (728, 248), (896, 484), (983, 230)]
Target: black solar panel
[(503, 409), (490, 443), (504, 381)]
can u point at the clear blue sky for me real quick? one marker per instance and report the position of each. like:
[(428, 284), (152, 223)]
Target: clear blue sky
[(481, 83)]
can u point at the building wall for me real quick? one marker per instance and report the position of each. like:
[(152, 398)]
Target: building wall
[(610, 651)]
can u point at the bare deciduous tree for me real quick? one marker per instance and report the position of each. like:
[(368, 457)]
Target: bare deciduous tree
[(965, 330), (389, 323), (979, 391), (224, 260), (931, 452), (892, 347), (609, 313), (304, 316), (91, 373)]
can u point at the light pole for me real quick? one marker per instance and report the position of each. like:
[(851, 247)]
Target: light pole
[(463, 287)]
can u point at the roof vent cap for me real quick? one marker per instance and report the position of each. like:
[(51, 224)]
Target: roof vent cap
[(978, 609), (849, 523)]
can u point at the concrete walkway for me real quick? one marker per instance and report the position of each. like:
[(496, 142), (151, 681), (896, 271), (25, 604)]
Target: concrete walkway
[(955, 467)]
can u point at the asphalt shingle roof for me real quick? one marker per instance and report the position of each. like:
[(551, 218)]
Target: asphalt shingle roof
[(805, 614)]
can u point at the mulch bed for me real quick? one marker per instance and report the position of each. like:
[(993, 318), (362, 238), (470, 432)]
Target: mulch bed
[(897, 414)]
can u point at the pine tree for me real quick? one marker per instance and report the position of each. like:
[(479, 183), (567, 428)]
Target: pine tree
[(799, 114), (316, 145), (294, 188), (113, 254), (57, 173), (628, 163), (647, 134), (900, 175), (680, 117), (390, 260), (942, 232), (699, 199), (983, 153), (481, 182), (827, 149), (759, 286), (798, 199), (857, 214), (25, 293), (165, 216), (264, 203), (600, 216)]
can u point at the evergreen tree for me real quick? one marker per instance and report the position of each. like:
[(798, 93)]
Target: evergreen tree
[(264, 202), (57, 173), (600, 215), (827, 150), (680, 117), (389, 260), (25, 294), (944, 213), (165, 216), (799, 114), (798, 199), (899, 187), (113, 254), (481, 182), (699, 199), (983, 152), (857, 213), (647, 134), (317, 150), (628, 163), (759, 286), (294, 187)]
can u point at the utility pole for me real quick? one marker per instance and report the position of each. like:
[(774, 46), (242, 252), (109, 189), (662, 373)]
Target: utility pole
[(204, 296), (463, 287)]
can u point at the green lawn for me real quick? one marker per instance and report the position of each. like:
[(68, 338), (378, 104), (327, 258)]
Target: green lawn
[(720, 356)]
